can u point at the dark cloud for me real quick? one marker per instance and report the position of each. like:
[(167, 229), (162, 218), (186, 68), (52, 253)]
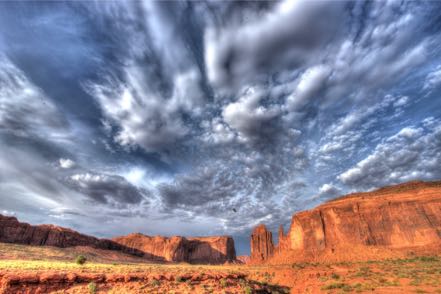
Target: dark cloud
[(106, 189), (285, 37)]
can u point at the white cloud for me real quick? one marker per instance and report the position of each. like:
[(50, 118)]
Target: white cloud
[(412, 153), (143, 117), (248, 117), (310, 83), (66, 163), (433, 79), (25, 110), (8, 213), (217, 132)]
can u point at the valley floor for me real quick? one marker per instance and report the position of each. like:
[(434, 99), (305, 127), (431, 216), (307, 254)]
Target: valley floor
[(26, 269)]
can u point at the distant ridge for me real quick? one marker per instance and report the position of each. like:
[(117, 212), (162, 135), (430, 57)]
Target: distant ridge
[(207, 250)]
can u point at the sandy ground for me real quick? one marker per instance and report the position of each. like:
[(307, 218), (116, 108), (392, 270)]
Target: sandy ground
[(25, 269)]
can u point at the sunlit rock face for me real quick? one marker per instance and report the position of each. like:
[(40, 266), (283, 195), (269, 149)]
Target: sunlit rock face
[(262, 246), (209, 250), (397, 219), (201, 250)]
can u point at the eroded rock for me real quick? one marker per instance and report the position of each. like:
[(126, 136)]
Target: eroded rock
[(397, 218), (214, 250)]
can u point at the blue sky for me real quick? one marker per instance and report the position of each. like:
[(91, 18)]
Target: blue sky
[(204, 118)]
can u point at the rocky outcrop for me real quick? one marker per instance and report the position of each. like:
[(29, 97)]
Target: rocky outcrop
[(243, 259), (262, 246), (400, 218), (284, 242), (13, 231), (212, 250), (174, 249)]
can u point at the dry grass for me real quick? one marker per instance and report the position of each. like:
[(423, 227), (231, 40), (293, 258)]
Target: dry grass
[(409, 275)]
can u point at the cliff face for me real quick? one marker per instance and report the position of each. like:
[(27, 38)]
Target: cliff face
[(397, 218), (262, 246), (175, 249), (213, 250), (13, 231)]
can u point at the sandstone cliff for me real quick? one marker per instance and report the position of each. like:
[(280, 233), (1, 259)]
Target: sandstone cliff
[(13, 231), (213, 250), (175, 249), (396, 219), (262, 246)]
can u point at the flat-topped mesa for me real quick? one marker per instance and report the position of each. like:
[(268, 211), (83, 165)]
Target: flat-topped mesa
[(389, 221), (262, 246), (203, 250), (209, 250)]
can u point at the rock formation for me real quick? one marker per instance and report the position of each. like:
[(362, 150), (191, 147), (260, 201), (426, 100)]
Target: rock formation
[(283, 243), (262, 246), (243, 259), (213, 250), (400, 218), (13, 231), (175, 249)]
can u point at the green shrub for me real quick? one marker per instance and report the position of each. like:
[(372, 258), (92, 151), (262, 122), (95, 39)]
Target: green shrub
[(335, 276), (81, 259), (428, 258), (334, 286), (248, 290), (223, 283), (155, 283), (92, 288)]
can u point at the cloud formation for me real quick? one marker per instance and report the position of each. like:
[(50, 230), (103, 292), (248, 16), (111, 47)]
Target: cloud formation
[(210, 117), (106, 188), (411, 154)]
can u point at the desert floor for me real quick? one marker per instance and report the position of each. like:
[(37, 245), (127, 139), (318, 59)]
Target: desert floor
[(27, 269)]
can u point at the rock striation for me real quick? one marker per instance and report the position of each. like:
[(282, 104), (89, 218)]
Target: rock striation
[(400, 218), (210, 250)]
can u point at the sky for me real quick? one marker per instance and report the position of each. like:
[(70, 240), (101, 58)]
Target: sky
[(211, 117)]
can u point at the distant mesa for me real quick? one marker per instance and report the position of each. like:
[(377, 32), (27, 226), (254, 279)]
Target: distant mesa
[(200, 250), (206, 250), (389, 222)]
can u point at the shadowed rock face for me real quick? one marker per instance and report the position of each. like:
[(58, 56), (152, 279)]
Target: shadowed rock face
[(262, 246), (396, 218), (213, 250), (13, 231)]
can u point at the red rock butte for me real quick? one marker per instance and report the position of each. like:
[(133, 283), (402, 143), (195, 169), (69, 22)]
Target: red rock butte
[(214, 250), (389, 222)]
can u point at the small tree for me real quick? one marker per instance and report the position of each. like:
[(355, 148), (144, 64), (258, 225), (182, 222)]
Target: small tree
[(81, 259)]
